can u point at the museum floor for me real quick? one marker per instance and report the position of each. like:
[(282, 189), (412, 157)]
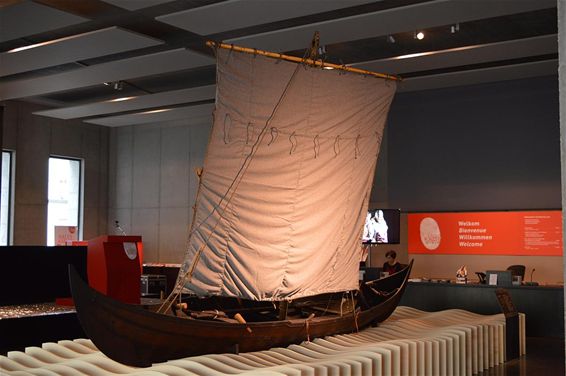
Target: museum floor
[(545, 356)]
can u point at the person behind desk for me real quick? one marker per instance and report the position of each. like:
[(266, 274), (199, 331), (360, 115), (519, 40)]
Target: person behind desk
[(391, 266)]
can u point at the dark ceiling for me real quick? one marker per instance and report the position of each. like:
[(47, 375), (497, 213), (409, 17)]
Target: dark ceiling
[(153, 51)]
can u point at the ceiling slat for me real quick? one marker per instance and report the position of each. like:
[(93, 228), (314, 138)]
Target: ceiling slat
[(237, 14), (478, 76), (462, 56), (78, 47), (162, 62), (190, 112), (390, 21), (27, 18), (135, 4), (136, 103)]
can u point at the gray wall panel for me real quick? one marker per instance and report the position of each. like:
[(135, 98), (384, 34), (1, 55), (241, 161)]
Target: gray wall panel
[(562, 91), (66, 140), (124, 218), (30, 224), (173, 232), (33, 152), (123, 164), (145, 222), (10, 131), (483, 147), (35, 139), (175, 168), (164, 156), (200, 134), (95, 154), (146, 168)]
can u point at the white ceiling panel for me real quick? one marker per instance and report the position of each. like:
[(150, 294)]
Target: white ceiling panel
[(168, 98), (237, 14), (78, 47), (473, 77), (28, 18), (391, 21), (135, 4), (461, 56), (147, 65), (190, 112)]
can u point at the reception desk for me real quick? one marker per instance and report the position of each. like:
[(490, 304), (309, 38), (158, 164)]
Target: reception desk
[(543, 305)]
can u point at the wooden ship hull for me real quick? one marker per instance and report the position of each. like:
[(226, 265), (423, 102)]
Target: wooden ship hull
[(136, 336)]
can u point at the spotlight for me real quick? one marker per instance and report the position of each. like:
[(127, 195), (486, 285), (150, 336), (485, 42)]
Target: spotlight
[(419, 35), (116, 85), (391, 39)]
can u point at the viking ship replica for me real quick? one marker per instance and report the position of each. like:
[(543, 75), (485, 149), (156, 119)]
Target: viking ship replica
[(275, 241)]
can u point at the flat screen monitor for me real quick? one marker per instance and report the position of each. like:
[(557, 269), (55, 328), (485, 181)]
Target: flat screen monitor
[(382, 226), (499, 278)]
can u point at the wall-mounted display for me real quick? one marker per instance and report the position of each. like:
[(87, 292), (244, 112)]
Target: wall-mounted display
[(382, 227), (521, 233)]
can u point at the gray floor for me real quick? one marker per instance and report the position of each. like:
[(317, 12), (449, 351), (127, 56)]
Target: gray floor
[(545, 357)]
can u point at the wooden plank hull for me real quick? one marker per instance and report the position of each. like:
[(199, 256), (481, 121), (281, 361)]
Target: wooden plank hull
[(132, 335)]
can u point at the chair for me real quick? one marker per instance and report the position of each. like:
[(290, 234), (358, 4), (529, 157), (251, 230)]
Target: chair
[(517, 270)]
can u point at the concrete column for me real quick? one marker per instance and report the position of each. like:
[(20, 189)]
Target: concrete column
[(562, 88)]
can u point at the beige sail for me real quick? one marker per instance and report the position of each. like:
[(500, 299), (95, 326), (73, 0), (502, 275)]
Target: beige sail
[(286, 179)]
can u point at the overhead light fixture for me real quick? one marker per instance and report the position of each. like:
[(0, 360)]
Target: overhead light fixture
[(455, 28), (156, 111), (116, 85), (35, 45), (120, 99), (391, 39), (429, 53), (419, 35), (410, 56)]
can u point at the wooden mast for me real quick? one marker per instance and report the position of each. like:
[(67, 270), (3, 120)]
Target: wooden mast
[(308, 61)]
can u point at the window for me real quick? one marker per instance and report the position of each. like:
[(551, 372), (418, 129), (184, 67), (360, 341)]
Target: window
[(6, 199), (64, 207)]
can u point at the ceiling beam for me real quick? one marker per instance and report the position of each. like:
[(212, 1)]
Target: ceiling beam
[(189, 113), (478, 76), (390, 21), (168, 98), (84, 46), (141, 66), (465, 55)]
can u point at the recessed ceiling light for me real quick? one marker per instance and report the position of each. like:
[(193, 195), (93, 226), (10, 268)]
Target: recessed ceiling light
[(120, 99), (30, 46), (156, 111)]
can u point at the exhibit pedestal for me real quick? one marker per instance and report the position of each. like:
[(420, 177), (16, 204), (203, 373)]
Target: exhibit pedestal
[(114, 265)]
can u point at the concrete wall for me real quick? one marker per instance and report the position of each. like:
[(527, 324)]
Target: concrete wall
[(34, 139), (562, 88), (153, 183), (484, 147)]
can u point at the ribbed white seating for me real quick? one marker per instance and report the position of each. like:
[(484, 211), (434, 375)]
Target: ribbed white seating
[(411, 342)]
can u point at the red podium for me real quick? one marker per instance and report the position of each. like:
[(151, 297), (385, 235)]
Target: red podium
[(114, 266)]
